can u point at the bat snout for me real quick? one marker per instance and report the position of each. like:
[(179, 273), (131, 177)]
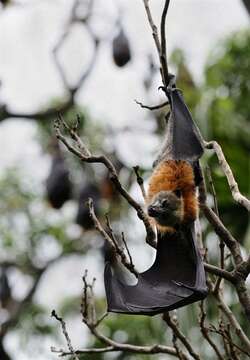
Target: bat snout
[(153, 211)]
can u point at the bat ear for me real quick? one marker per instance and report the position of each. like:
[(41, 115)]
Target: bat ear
[(177, 192)]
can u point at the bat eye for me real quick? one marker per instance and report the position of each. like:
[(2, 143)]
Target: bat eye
[(177, 192), (165, 203)]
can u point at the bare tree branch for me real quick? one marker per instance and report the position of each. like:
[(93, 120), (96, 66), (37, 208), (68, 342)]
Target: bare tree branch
[(169, 321), (205, 332), (242, 267), (222, 244), (88, 318), (69, 100), (47, 114), (164, 63), (155, 107), (140, 182), (65, 333), (153, 27), (113, 176), (154, 349), (224, 274), (238, 197), (112, 241), (233, 321)]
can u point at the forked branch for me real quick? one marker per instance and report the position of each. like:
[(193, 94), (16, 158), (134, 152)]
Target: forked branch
[(79, 149)]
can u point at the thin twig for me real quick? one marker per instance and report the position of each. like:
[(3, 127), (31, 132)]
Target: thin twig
[(84, 302), (151, 237), (229, 276), (219, 227), (232, 345), (127, 250), (116, 347), (228, 338), (167, 318), (224, 340), (140, 182), (238, 197), (205, 333), (222, 244), (164, 63), (71, 21), (69, 100), (211, 183), (84, 351), (154, 107), (111, 240), (234, 248), (233, 321), (65, 333), (89, 319), (175, 339), (153, 28)]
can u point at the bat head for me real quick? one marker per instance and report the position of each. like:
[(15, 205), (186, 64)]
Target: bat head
[(167, 208)]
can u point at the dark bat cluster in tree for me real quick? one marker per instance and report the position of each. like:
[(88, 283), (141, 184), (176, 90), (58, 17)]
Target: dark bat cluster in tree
[(121, 48), (60, 188), (83, 217), (5, 289), (58, 184)]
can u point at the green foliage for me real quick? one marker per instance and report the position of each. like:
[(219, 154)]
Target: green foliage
[(221, 108), (227, 93)]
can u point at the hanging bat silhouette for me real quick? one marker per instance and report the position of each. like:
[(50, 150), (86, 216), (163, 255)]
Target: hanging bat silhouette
[(104, 190), (5, 290), (121, 49), (83, 218), (107, 188), (177, 277), (5, 2), (58, 184)]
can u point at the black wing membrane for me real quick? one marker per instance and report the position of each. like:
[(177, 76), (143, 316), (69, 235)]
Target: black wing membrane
[(183, 140), (176, 278)]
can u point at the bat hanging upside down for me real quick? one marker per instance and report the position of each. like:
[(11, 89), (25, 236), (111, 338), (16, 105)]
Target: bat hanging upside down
[(172, 201)]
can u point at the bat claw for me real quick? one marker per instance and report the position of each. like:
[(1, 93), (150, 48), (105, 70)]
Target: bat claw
[(163, 88)]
